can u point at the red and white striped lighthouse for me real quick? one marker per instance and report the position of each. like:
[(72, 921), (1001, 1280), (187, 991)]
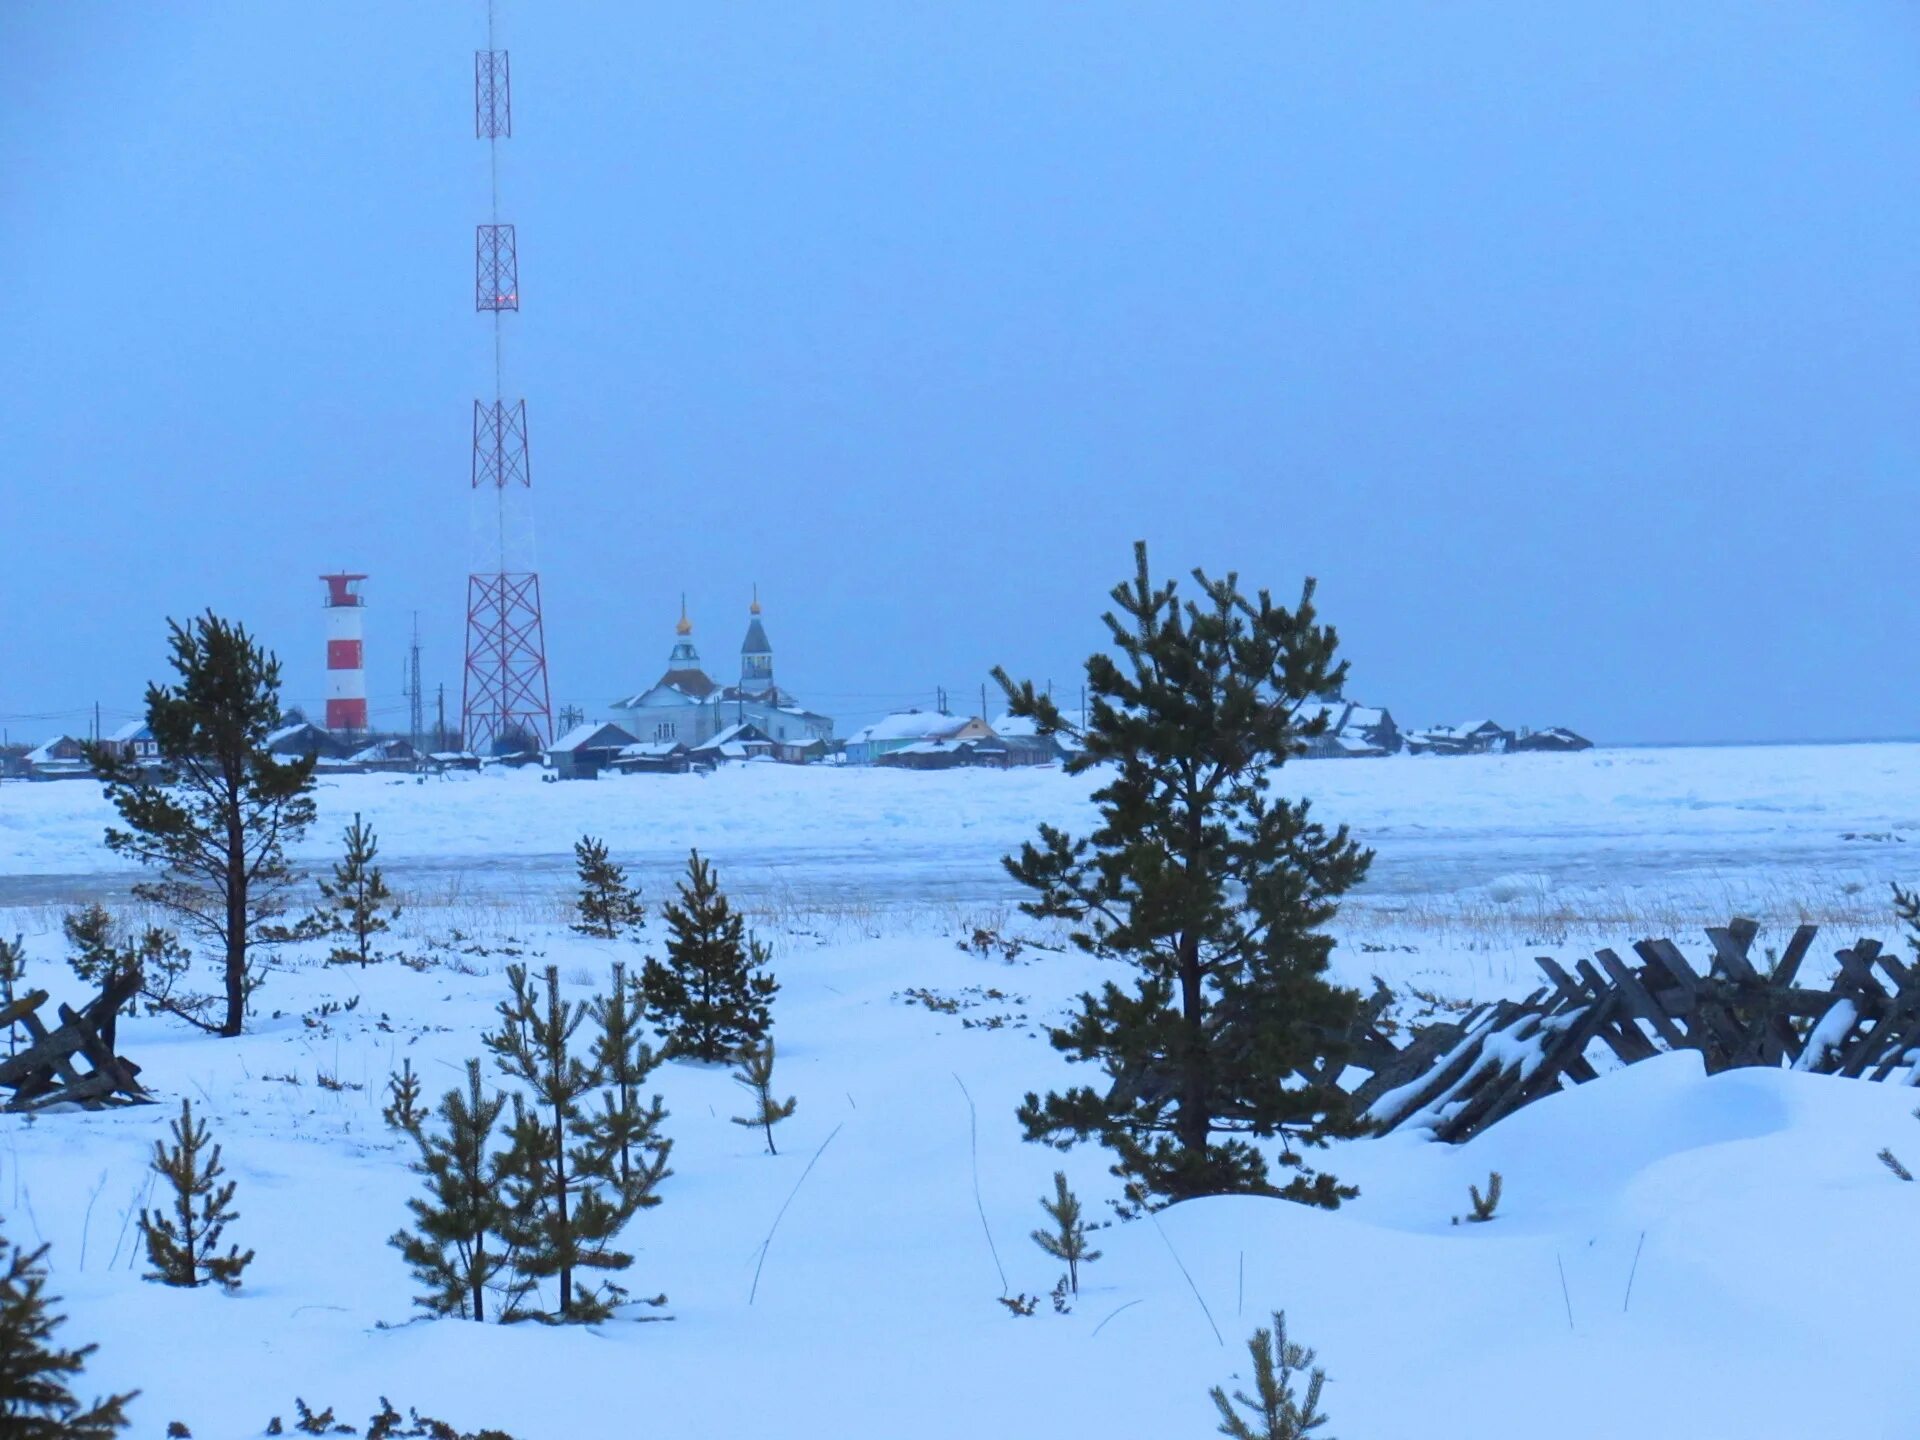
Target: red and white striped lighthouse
[(346, 661)]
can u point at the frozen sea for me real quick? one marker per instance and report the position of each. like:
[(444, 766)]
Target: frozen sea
[(1614, 834)]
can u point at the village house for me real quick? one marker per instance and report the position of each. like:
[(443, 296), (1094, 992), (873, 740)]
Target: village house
[(911, 727), (587, 749), (1476, 737), (61, 758)]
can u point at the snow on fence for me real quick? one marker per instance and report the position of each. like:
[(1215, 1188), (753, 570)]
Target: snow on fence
[(1455, 1078), (44, 1074)]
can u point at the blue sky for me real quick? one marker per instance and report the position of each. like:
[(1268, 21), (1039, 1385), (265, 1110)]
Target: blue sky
[(1571, 346)]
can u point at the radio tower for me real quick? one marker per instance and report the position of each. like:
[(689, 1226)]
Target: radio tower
[(505, 703)]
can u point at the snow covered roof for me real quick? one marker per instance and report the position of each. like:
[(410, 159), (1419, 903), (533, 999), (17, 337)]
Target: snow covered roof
[(383, 750), (131, 731), (1364, 717), (591, 732), (42, 754), (652, 750), (911, 725)]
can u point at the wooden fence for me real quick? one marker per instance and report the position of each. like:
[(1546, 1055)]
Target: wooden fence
[(71, 1064), (1458, 1077)]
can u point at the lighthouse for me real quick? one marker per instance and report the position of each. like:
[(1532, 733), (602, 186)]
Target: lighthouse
[(346, 660)]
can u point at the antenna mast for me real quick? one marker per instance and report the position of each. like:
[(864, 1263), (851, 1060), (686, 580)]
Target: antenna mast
[(505, 703)]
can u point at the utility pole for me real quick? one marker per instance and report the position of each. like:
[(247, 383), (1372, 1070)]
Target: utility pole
[(440, 724), (983, 703), (416, 702)]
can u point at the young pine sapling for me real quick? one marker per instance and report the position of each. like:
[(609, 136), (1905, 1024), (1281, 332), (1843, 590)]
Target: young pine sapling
[(358, 903), (36, 1375), (13, 969), (608, 906), (403, 1110), (568, 1206), (181, 1242), (625, 1131), (710, 997), (1273, 1412), (1068, 1239), (1484, 1205), (755, 1075), (458, 1247)]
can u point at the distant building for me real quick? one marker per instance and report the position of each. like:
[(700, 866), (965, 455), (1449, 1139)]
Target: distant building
[(653, 757), (1353, 731), (1476, 737), (301, 739), (687, 706), (133, 742), (737, 742), (1555, 738), (911, 727), (584, 751), (61, 758)]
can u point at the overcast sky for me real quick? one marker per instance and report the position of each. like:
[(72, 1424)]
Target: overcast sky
[(1572, 346)]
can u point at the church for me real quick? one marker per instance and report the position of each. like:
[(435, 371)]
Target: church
[(687, 706)]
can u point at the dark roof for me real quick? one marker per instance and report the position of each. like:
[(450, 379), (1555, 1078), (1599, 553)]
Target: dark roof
[(756, 642), (689, 682)]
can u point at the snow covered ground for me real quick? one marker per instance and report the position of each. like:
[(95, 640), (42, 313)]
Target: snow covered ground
[(1768, 1297)]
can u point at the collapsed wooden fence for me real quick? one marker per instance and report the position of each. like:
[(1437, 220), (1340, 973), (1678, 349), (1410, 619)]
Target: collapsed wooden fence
[(48, 1071), (1457, 1077)]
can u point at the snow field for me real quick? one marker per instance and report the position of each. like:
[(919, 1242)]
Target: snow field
[(1733, 1254)]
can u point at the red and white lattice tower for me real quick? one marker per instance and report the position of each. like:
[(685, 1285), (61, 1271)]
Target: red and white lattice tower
[(346, 653), (505, 702)]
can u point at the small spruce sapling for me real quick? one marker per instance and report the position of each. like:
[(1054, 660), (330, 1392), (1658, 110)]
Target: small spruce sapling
[(755, 1075), (710, 997), (568, 1206), (608, 906), (36, 1401), (624, 1131), (403, 1112), (181, 1244), (457, 1250), (358, 903), (1068, 1239), (1273, 1411)]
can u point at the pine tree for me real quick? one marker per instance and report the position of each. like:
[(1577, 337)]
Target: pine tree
[(181, 1245), (568, 1207), (458, 1250), (36, 1401), (755, 1075), (608, 906), (216, 819), (625, 1132), (92, 942), (403, 1111), (709, 997), (1068, 1239), (357, 898), (156, 961), (1273, 1408), (1216, 893), (13, 969)]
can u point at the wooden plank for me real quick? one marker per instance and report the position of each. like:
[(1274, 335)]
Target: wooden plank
[(1710, 1030), (1641, 1004), (1796, 951), (25, 1005), (89, 1092), (1562, 982)]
